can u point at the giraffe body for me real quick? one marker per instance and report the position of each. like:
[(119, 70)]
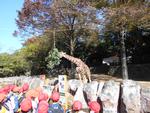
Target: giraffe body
[(82, 69)]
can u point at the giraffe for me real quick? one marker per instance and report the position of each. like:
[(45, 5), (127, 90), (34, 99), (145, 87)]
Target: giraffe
[(82, 69)]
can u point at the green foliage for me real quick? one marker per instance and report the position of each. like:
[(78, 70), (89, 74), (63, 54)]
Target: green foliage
[(130, 14), (12, 65), (102, 3), (53, 58), (30, 58), (36, 52)]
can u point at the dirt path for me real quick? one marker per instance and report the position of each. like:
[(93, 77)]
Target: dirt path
[(102, 77)]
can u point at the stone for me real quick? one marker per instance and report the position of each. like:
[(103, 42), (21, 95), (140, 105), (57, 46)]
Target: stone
[(79, 95), (109, 96), (91, 90), (53, 81), (130, 97), (100, 86), (36, 82), (73, 84), (48, 89), (145, 100)]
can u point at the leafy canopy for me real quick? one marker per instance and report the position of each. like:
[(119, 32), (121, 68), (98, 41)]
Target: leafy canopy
[(53, 58)]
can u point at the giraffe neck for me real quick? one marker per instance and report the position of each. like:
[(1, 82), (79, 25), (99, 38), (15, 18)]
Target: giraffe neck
[(70, 58)]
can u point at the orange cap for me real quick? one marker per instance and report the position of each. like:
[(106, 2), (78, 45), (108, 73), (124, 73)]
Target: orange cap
[(16, 89), (32, 93), (2, 96)]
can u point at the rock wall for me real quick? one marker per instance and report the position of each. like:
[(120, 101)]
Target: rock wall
[(114, 97)]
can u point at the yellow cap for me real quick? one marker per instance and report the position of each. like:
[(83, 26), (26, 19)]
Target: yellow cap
[(3, 110)]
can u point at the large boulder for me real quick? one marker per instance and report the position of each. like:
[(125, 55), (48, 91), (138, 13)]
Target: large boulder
[(90, 90), (73, 84), (130, 97), (145, 100), (79, 95), (48, 89), (36, 82), (109, 96), (100, 87), (53, 81)]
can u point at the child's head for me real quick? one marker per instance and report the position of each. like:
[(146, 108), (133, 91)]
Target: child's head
[(26, 105), (43, 96), (55, 96), (77, 105), (43, 107), (94, 106), (2, 97)]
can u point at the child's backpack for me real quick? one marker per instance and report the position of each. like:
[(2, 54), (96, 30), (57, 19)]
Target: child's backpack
[(55, 108), (16, 102)]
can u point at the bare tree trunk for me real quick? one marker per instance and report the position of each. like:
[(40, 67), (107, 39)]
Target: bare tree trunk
[(72, 54), (123, 56), (54, 43), (72, 44)]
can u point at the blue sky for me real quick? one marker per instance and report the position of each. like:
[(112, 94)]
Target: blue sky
[(8, 13)]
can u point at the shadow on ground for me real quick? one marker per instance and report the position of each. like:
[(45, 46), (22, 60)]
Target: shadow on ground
[(139, 72)]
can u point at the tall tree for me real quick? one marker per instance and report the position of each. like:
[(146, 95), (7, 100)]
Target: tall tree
[(62, 15), (65, 16), (123, 16), (35, 50)]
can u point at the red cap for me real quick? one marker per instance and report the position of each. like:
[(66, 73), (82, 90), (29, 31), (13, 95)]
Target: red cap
[(1, 90), (42, 96), (26, 104), (20, 90), (11, 86), (7, 89), (25, 86), (94, 106), (55, 96), (43, 107), (77, 105), (46, 96), (32, 93)]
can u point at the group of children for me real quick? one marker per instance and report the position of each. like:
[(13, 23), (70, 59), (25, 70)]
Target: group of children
[(14, 99)]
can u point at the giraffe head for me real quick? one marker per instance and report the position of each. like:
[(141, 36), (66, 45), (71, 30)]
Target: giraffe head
[(62, 54)]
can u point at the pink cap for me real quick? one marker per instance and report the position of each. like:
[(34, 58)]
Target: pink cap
[(77, 105), (94, 106)]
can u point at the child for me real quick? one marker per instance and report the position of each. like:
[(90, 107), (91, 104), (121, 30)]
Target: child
[(94, 107), (43, 107), (77, 106), (26, 105), (55, 107)]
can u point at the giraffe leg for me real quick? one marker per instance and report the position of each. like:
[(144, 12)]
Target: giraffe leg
[(84, 78), (80, 78), (89, 78), (78, 72)]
